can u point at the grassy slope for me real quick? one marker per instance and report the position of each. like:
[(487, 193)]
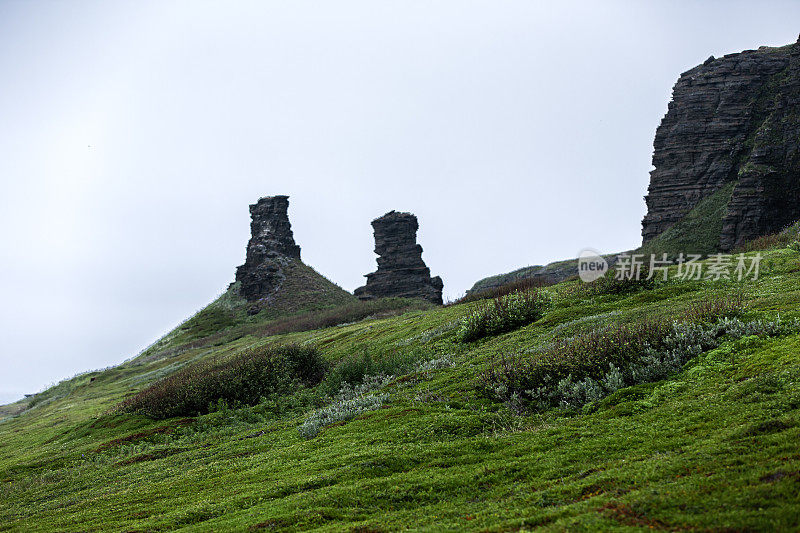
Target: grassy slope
[(698, 232), (502, 279), (303, 290), (714, 447)]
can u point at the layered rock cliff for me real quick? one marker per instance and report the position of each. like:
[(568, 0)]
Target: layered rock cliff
[(726, 158), (401, 270), (732, 122)]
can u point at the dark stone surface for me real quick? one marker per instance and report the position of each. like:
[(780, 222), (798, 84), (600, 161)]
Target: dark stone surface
[(401, 270), (270, 248), (731, 119)]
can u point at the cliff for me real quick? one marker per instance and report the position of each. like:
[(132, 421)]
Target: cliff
[(726, 160), (732, 130)]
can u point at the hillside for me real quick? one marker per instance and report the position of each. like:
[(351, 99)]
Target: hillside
[(550, 273), (711, 446), (302, 290)]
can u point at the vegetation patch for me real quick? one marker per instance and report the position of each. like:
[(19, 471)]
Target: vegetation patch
[(517, 285), (143, 435), (245, 379), (579, 370), (344, 314), (789, 237), (707, 310), (698, 232), (611, 284), (153, 456), (344, 408), (503, 314)]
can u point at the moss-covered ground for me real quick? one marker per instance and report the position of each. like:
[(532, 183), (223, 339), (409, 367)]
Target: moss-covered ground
[(714, 448)]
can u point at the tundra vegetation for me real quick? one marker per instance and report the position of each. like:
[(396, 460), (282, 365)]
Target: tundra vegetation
[(671, 405)]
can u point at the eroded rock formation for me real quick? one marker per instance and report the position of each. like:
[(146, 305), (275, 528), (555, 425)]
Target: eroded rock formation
[(270, 248), (401, 270), (736, 120)]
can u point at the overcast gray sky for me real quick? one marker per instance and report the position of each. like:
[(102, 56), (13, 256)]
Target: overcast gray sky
[(135, 134)]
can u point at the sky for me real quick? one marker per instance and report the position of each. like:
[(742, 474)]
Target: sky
[(136, 133)]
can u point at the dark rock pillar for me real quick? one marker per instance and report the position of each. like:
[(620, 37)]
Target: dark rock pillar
[(401, 270), (270, 248)]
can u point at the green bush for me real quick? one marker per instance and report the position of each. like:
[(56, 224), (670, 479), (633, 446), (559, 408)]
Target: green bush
[(353, 370), (339, 411), (245, 379), (504, 313), (349, 402), (787, 237), (610, 284), (713, 308), (586, 355), (579, 370)]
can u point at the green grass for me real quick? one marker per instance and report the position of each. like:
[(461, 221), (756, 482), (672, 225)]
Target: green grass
[(698, 232), (303, 290), (498, 280), (550, 273), (714, 447)]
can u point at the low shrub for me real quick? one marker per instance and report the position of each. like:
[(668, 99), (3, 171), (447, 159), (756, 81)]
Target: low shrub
[(579, 370), (349, 402), (586, 355), (358, 380), (610, 284), (245, 379), (436, 363), (502, 314), (339, 411), (787, 237), (353, 370), (711, 309)]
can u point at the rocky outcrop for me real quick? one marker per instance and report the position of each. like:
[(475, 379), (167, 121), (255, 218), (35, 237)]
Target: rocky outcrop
[(401, 270), (269, 250), (736, 120)]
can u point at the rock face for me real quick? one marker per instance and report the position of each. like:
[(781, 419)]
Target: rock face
[(401, 270), (269, 250), (735, 119)]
